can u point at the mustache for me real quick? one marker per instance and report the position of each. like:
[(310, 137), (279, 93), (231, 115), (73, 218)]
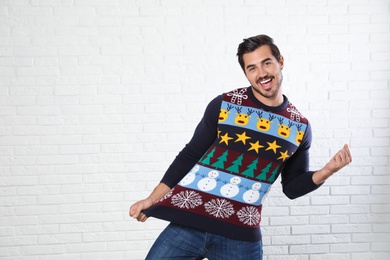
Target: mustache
[(264, 78)]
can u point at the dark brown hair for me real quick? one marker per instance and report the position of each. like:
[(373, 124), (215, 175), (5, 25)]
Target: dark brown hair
[(252, 43)]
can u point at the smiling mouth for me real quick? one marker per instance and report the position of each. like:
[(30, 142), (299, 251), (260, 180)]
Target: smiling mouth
[(265, 81)]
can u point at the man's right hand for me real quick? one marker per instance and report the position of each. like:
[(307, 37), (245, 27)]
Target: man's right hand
[(136, 209)]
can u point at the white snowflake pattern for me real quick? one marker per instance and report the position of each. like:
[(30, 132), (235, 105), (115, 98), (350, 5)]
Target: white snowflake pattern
[(249, 216), (219, 208), (168, 195), (187, 199)]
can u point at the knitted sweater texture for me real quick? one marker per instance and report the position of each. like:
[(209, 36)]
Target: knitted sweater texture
[(221, 178)]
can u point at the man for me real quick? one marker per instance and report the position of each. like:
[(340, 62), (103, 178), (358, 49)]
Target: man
[(213, 191)]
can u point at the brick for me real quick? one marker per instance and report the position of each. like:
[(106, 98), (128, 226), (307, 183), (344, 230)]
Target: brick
[(376, 238), (293, 220), (17, 181), (356, 190), (310, 210), (371, 255), (290, 240), (310, 229), (350, 209), (276, 250), (36, 210), (370, 218), (275, 230), (381, 227), (330, 238), (330, 256), (59, 239), (31, 230), (365, 180), (330, 200), (349, 247), (309, 249), (350, 228)]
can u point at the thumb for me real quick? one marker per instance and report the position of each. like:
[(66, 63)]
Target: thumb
[(134, 211)]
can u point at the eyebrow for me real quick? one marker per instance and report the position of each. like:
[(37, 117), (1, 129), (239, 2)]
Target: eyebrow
[(265, 60), (262, 62)]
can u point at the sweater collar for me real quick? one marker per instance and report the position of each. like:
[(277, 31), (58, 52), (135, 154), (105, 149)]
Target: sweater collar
[(265, 107)]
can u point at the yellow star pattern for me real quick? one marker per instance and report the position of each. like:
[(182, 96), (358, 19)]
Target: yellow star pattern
[(283, 156), (225, 138), (242, 137), (272, 146), (255, 146)]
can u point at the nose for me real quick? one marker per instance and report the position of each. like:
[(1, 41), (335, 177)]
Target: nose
[(261, 73)]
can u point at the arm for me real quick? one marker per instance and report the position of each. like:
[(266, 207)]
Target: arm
[(296, 177), (158, 192), (297, 180), (204, 135)]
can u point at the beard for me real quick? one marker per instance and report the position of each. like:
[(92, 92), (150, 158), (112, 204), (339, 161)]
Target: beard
[(271, 93)]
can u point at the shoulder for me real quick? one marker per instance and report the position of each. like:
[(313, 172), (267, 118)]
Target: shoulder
[(236, 96), (294, 114)]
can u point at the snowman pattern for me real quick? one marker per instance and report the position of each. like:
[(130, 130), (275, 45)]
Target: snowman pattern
[(208, 183), (231, 189), (253, 195), (190, 177)]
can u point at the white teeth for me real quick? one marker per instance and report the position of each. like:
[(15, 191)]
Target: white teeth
[(265, 81)]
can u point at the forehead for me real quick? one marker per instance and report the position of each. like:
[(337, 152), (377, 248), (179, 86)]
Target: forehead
[(260, 54)]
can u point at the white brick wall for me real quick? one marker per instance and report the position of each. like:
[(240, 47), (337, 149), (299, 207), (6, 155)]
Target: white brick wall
[(98, 96)]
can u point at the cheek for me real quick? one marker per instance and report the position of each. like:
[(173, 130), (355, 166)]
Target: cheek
[(251, 77)]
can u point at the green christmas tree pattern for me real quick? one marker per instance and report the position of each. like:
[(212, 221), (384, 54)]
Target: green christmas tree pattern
[(237, 163), (274, 175), (207, 159), (250, 170), (263, 175), (235, 167), (220, 163)]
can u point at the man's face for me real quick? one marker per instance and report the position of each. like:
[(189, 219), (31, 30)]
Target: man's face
[(264, 72)]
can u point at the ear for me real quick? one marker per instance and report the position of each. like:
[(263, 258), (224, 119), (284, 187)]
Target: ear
[(281, 62)]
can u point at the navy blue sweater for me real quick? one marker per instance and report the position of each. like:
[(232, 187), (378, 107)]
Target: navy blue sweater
[(294, 168)]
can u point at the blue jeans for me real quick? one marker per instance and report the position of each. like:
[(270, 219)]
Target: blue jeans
[(179, 242)]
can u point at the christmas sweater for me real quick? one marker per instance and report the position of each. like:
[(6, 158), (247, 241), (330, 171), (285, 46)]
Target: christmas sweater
[(222, 176)]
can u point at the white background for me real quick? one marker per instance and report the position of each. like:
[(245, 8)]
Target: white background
[(98, 96)]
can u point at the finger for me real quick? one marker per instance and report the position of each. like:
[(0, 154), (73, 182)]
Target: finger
[(344, 157), (142, 217), (131, 212), (347, 158), (345, 154), (348, 152), (134, 211), (339, 157)]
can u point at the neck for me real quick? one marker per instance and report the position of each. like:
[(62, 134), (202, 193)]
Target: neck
[(273, 101)]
